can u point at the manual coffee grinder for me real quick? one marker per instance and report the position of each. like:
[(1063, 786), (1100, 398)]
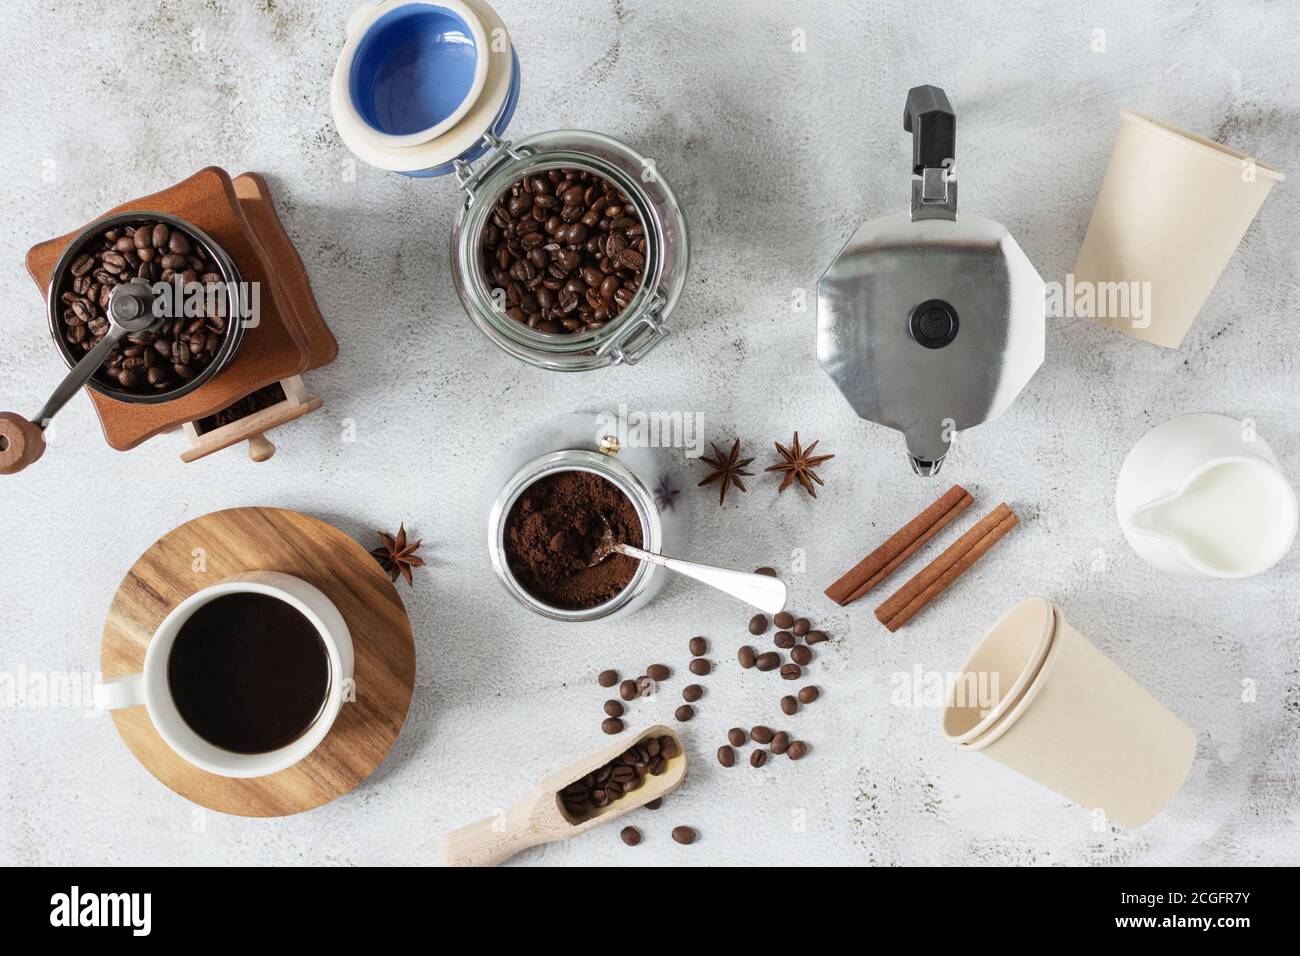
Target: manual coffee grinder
[(928, 322), (254, 382)]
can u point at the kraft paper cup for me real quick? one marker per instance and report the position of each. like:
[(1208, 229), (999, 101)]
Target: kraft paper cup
[(1004, 663), (1084, 728), (1172, 209)]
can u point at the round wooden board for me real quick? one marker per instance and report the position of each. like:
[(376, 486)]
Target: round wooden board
[(270, 539)]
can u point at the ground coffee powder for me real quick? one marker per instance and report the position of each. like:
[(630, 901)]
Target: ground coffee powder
[(553, 530)]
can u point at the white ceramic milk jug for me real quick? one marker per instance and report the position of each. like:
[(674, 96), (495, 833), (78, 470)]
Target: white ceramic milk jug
[(1202, 495)]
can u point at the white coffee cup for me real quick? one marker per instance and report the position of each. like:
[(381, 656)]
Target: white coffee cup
[(150, 687)]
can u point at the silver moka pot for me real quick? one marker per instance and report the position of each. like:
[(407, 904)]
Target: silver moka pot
[(930, 323)]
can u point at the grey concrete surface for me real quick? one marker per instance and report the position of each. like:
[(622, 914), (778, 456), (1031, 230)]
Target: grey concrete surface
[(777, 154)]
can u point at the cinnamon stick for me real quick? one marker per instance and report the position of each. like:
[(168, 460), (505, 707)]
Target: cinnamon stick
[(935, 577), (900, 546)]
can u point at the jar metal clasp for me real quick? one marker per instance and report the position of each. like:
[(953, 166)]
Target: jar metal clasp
[(499, 150), (636, 338)]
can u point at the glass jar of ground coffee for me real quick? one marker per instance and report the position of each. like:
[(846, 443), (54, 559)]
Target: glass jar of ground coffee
[(546, 522), (570, 251)]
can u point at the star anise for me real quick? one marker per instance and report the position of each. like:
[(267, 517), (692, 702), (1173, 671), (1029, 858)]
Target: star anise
[(798, 465), (665, 493), (396, 556), (727, 470)]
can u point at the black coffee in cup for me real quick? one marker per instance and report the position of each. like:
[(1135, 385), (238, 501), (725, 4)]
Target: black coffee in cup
[(249, 673)]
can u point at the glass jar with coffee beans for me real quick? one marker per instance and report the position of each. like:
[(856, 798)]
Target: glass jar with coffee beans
[(570, 251), (182, 351)]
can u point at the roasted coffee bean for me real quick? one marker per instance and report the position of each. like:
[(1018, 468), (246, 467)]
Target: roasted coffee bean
[(138, 252), (630, 835), (761, 734), (737, 737), (692, 692), (757, 624), (607, 678), (559, 226), (757, 758), (783, 640), (699, 646), (770, 572), (726, 756), (800, 627), (815, 637), (789, 705), (613, 708), (655, 804), (658, 672), (747, 656), (622, 775), (645, 685), (780, 742), (768, 661), (791, 672), (684, 712), (797, 750), (627, 689), (612, 725), (801, 655), (684, 835), (783, 620), (808, 694), (700, 666)]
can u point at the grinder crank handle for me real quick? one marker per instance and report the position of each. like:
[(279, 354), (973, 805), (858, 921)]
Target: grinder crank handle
[(130, 310), (23, 442)]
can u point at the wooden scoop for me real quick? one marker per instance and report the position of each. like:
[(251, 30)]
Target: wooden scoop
[(540, 816)]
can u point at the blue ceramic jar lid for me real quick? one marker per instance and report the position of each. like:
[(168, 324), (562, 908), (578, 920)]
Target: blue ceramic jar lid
[(420, 82)]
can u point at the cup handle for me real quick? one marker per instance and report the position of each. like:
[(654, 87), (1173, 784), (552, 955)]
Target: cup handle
[(118, 692)]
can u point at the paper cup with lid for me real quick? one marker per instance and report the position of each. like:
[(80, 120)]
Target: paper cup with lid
[(1079, 725), (407, 101), (1172, 209)]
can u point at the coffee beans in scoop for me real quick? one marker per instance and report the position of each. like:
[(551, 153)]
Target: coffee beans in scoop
[(181, 347), (620, 776), (568, 249)]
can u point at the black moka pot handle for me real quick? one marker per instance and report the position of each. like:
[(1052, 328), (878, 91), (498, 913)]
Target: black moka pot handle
[(928, 116)]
